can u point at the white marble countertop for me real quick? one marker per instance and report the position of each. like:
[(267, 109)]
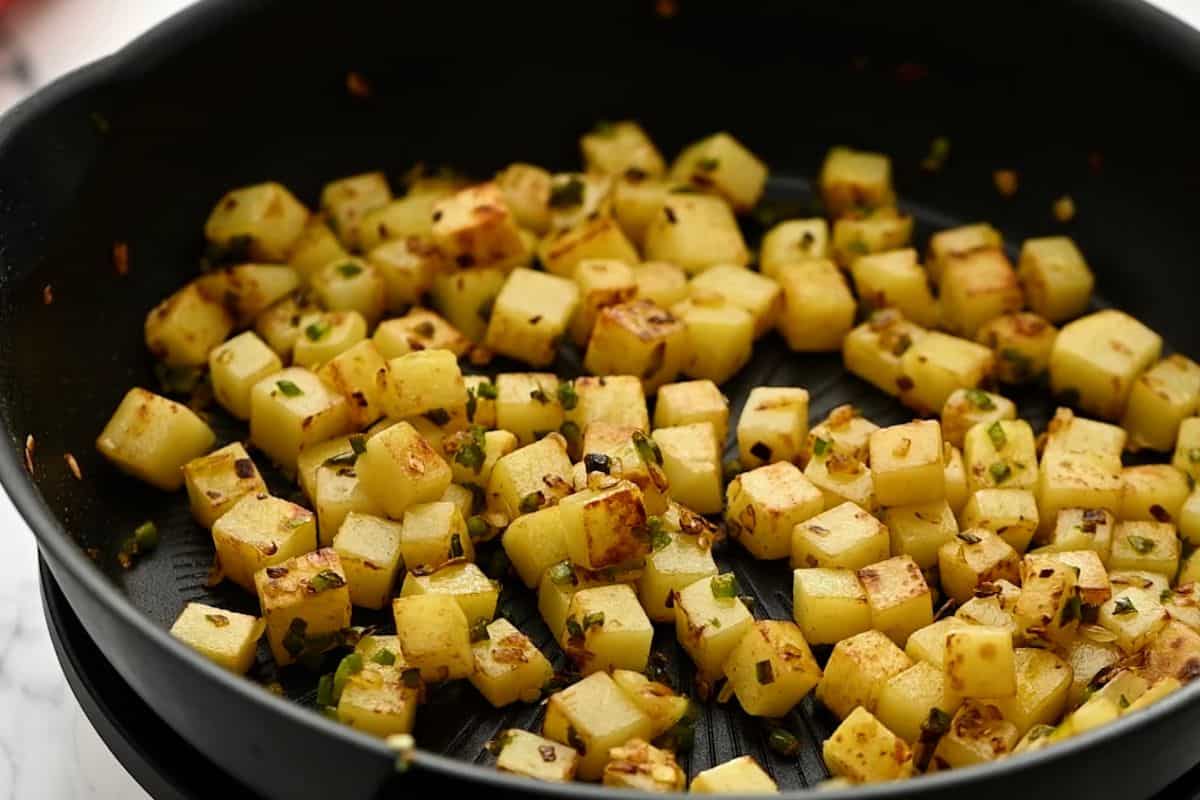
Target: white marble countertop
[(48, 750)]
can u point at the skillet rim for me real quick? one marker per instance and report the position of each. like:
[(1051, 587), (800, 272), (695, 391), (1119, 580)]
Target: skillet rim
[(1155, 28)]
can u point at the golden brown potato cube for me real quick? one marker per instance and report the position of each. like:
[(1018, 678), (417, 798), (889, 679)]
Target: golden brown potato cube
[(235, 366), (1161, 398), (672, 568), (463, 581), (360, 375), (639, 765), (966, 408), (818, 309), (757, 294), (607, 629), (400, 469), (1148, 546), (433, 534), (845, 536), (1091, 651), (773, 425), (692, 463), (1081, 466), (408, 267), (605, 527), (261, 531), (302, 599), (508, 667), (613, 399), (1135, 616), (602, 283), (223, 637), (764, 505), (952, 243), (323, 336), (660, 282), (741, 775), (862, 750), (1011, 514), (908, 699), (1097, 358), (977, 287), (906, 461), (531, 315), (919, 530), (641, 339), (338, 493), (615, 147), (370, 550), (980, 663), (264, 219), (526, 190), (936, 364), (978, 734), (530, 478), (842, 479), (829, 604), (1174, 653), (721, 164), (419, 329), (974, 557), (1056, 279), (351, 285), (898, 596), (1083, 529), (292, 410), (435, 636), (411, 215), (695, 232), (426, 383), (1091, 577), (928, 644), (844, 431), (852, 180), (710, 621), (720, 338), (873, 350), (771, 669), (597, 237), (475, 228), (152, 438), (594, 716), (693, 401), (247, 290), (1000, 454), (183, 329), (875, 230), (1141, 579), (348, 200), (217, 481), (895, 279), (857, 670), (1022, 343), (1153, 492), (379, 700), (1048, 610), (524, 753), (466, 297), (791, 241)]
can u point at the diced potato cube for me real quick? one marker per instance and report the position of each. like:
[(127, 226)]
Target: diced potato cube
[(1173, 653), (527, 404), (1189, 570), (695, 232), (370, 551), (818, 309), (432, 534), (978, 734), (845, 536), (435, 636), (217, 481), (1043, 682), (526, 189), (741, 775), (956, 478), (1189, 518), (1153, 492), (875, 230), (1086, 657), (615, 147), (351, 285), (757, 294), (595, 237), (1056, 279), (1022, 343), (1011, 514), (614, 399), (842, 479), (265, 219), (855, 179), (1135, 616), (559, 583), (844, 431), (720, 338), (261, 531), (928, 644), (183, 329), (594, 716), (721, 164), (400, 469), (709, 626), (966, 408), (899, 599), (279, 326), (323, 336), (692, 463), (347, 201), (379, 700), (605, 527), (404, 217), (1187, 448), (423, 382), (906, 462), (974, 557), (531, 315), (657, 701), (771, 669), (980, 663), (466, 583), (864, 751), (1081, 466), (636, 199), (1097, 358), (791, 241), (247, 290), (530, 477), (466, 297), (919, 530), (607, 629), (857, 670), (1141, 579), (639, 765), (1149, 546), (693, 401), (1048, 609), (419, 329), (895, 279), (236, 366), (524, 753), (152, 438), (292, 410), (408, 267), (1091, 577), (773, 425), (669, 569), (765, 504), (936, 364), (1000, 455), (615, 443), (829, 604), (1161, 398), (944, 246), (640, 339), (908, 698), (534, 542), (302, 598), (1083, 529), (873, 350), (361, 376), (223, 637), (475, 227), (976, 287), (660, 282), (602, 283)]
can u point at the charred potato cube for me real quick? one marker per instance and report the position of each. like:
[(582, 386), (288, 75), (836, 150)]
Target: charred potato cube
[(247, 290), (530, 478), (773, 425), (531, 315), (818, 309), (1056, 279), (302, 598), (1097, 358), (975, 556), (978, 734), (842, 479), (524, 753), (409, 267), (596, 237), (152, 438), (378, 700), (771, 669), (258, 532), (605, 527), (508, 667), (1048, 609), (639, 765), (945, 246), (474, 227), (216, 482), (864, 751), (602, 283), (899, 599), (360, 375), (928, 644)]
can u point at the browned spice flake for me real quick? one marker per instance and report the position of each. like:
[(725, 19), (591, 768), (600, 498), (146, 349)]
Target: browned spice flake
[(73, 465), (120, 257)]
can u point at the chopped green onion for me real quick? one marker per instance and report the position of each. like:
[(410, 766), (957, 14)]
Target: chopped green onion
[(325, 580), (531, 502), (358, 443), (597, 462), (1123, 606), (820, 446), (289, 389), (969, 537), (561, 574), (783, 742), (317, 329), (476, 528), (1140, 544), (574, 630), (647, 448), (472, 405), (1000, 472), (567, 395), (385, 657), (349, 269), (724, 586), (980, 399), (995, 432), (295, 640), (145, 536), (596, 618), (351, 665), (764, 672), (456, 546), (570, 431), (487, 390), (325, 690)]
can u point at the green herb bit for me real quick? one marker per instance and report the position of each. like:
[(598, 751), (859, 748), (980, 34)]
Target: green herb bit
[(969, 537), (574, 630), (1194, 455), (570, 431), (1123, 606), (783, 742), (294, 640), (325, 690), (358, 443), (477, 529), (317, 329), (1000, 472), (1123, 702), (539, 394), (567, 194), (289, 389), (531, 502), (594, 619), (995, 432), (724, 586), (561, 574), (708, 164), (384, 657), (567, 396), (351, 665), (472, 404), (456, 546), (349, 269), (647, 448), (325, 580), (764, 672), (479, 630), (341, 460), (487, 390), (438, 416), (980, 399), (1073, 610), (716, 623), (145, 536), (820, 446), (471, 456), (1140, 544)]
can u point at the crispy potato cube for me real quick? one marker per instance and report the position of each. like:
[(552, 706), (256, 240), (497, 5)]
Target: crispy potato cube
[(531, 315), (1000, 455), (1173, 653), (709, 626), (558, 585), (857, 670), (1161, 398), (899, 598), (475, 228), (1142, 579), (844, 431), (978, 734), (1057, 281), (976, 287), (791, 241), (402, 218), (845, 536), (966, 408), (692, 463), (757, 294), (347, 201), (474, 592), (261, 531), (615, 147), (974, 557), (639, 765), (636, 199), (265, 219), (1148, 546), (236, 366), (765, 504), (607, 629), (640, 339), (360, 375), (773, 425), (530, 477), (1086, 657), (408, 267), (720, 338), (527, 404), (605, 527), (895, 279), (1097, 358), (302, 598), (1135, 616), (247, 290), (842, 479), (435, 636), (875, 230), (614, 399), (1153, 492), (377, 700), (1022, 343), (945, 246), (223, 637), (672, 568), (657, 701), (980, 663), (936, 364), (741, 775), (1011, 514), (423, 382), (594, 716), (1083, 529), (1081, 466), (152, 438), (818, 309), (660, 282), (695, 232), (873, 350), (771, 669), (534, 542), (829, 604), (602, 283), (400, 469), (279, 326), (524, 753), (956, 477), (473, 454), (919, 530), (217, 481), (526, 190), (1048, 609), (351, 285), (432, 534), (466, 298), (721, 164), (928, 644), (292, 410), (851, 180), (1043, 682), (906, 462), (323, 336), (183, 329), (995, 611), (907, 699), (419, 329), (370, 551), (864, 751), (598, 237), (693, 401)]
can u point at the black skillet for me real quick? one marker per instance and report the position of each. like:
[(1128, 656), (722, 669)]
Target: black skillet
[(1095, 100)]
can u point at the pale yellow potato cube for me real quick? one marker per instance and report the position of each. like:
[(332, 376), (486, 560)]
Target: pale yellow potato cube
[(607, 629), (1043, 683), (379, 700), (899, 599), (432, 534), (399, 469), (757, 294), (434, 636), (265, 219), (873, 350), (475, 227), (657, 701), (692, 463), (863, 750), (1172, 654), (235, 366), (1153, 492), (1097, 358), (773, 425), (996, 611), (423, 382), (844, 431), (152, 438), (641, 766), (402, 218), (956, 477), (531, 315), (559, 583), (908, 698), (605, 527), (466, 298), (594, 716), (322, 336), (1148, 546), (851, 180), (463, 581), (763, 505), (1000, 455), (928, 644), (408, 267), (1087, 657), (614, 399), (577, 198), (771, 669), (261, 531), (709, 626), (527, 404), (966, 408), (919, 530), (1187, 448), (842, 479), (638, 339), (247, 290), (302, 599), (596, 237), (464, 449), (906, 462), (602, 283), (526, 189), (369, 549), (660, 282), (671, 568), (936, 364), (829, 604), (530, 477), (720, 338), (1048, 610), (419, 329), (615, 147), (980, 663), (508, 667), (845, 536), (1161, 398), (695, 232), (874, 230), (1011, 514), (279, 326), (1141, 579), (720, 163), (741, 775), (216, 482), (818, 309), (978, 734), (1057, 281), (1080, 467), (952, 243), (1022, 343), (793, 240), (1083, 529), (346, 202), (1135, 616), (895, 279), (351, 285), (223, 637), (973, 557), (857, 671), (976, 287), (534, 542), (636, 198), (524, 753), (693, 401), (361, 376), (1189, 518), (291, 410)]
